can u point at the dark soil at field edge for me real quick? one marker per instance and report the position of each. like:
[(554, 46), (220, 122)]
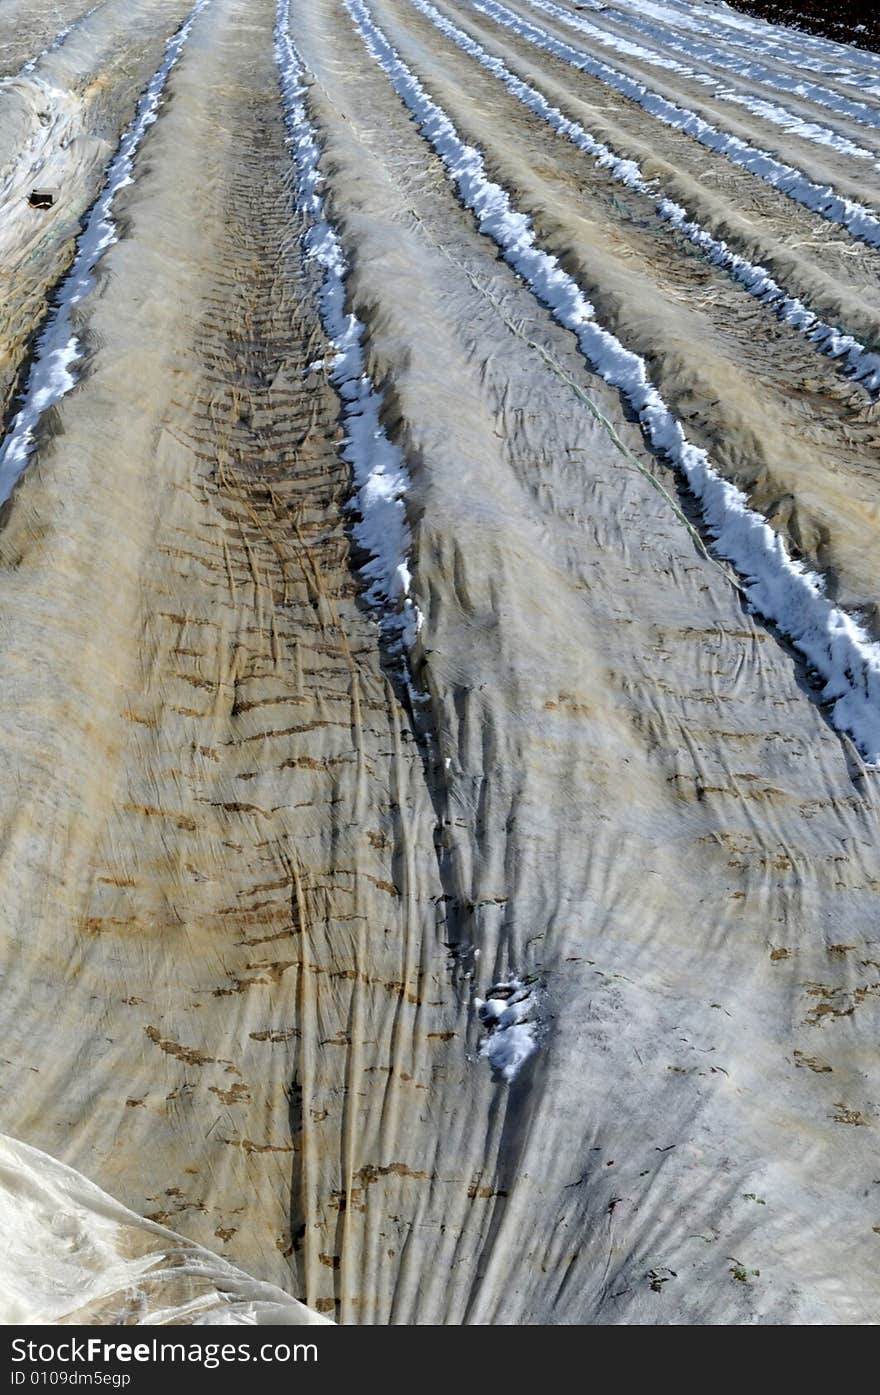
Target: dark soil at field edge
[(847, 21)]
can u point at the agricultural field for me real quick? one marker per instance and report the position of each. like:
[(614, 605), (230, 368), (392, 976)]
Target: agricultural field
[(439, 663)]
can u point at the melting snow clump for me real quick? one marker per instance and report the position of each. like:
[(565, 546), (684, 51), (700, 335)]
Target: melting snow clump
[(510, 1020)]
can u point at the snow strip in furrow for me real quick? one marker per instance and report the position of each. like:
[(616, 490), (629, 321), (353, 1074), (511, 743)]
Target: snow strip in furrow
[(777, 586), (53, 370), (859, 221), (56, 43), (768, 111), (801, 50), (857, 362), (378, 468), (749, 68)]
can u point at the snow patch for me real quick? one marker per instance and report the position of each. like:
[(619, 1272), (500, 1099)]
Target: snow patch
[(380, 476), (509, 1017), (777, 586), (52, 373)]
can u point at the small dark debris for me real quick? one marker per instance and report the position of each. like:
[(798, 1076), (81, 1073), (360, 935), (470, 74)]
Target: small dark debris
[(42, 198)]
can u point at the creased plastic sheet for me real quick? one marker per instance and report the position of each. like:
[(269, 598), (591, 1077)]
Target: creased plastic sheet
[(73, 1254), (524, 969)]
